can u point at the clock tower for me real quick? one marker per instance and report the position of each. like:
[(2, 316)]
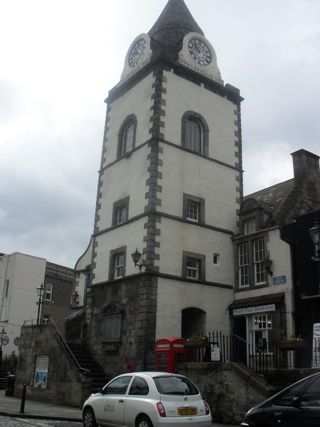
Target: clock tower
[(170, 184)]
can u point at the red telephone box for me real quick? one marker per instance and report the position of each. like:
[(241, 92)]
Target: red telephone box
[(168, 352)]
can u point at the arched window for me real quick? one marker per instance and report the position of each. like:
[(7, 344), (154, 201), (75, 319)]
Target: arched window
[(127, 135), (195, 133)]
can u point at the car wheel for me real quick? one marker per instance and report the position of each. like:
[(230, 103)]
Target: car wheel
[(88, 418), (144, 421)]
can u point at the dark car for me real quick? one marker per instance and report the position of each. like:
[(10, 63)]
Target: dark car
[(296, 406)]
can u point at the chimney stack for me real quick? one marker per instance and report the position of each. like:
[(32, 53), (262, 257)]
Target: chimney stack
[(305, 164)]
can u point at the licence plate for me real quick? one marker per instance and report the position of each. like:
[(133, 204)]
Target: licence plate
[(187, 411)]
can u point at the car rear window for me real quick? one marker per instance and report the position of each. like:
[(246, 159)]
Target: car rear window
[(175, 385)]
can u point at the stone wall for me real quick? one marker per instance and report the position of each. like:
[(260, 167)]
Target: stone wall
[(65, 384), (229, 389)]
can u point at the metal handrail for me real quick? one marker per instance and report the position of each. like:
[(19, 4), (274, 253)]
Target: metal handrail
[(52, 323)]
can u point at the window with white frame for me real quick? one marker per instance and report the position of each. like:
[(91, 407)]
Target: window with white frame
[(249, 225), (252, 263), (193, 266), (48, 290), (111, 327), (244, 268), (261, 330), (117, 263), (120, 211), (193, 208), (259, 261)]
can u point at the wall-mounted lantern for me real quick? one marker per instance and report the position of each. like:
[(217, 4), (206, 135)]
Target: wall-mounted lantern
[(137, 259), (268, 266)]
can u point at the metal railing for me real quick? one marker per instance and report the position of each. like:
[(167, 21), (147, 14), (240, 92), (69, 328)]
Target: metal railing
[(233, 348)]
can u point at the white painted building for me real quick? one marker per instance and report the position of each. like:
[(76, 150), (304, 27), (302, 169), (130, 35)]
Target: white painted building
[(20, 275), (170, 186)]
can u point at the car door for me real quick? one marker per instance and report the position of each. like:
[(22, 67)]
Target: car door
[(305, 409), (109, 407)]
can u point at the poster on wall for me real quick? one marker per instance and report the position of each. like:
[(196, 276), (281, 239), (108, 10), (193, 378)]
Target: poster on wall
[(41, 372), (316, 346)]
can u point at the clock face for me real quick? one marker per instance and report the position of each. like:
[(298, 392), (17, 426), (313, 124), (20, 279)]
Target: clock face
[(199, 51), (136, 52)]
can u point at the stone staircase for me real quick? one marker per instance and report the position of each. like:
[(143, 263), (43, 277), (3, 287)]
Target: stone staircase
[(94, 371)]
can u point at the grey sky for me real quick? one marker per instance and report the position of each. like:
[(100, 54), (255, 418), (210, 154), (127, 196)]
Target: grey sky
[(58, 60)]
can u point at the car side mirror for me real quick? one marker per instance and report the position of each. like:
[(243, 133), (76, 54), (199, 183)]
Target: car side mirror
[(296, 402)]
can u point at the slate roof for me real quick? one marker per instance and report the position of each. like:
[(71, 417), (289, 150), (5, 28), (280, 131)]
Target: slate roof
[(170, 28), (289, 199)]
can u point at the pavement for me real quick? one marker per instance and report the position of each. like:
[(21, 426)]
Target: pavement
[(10, 407)]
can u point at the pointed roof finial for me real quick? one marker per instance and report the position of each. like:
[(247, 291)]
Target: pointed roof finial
[(173, 24)]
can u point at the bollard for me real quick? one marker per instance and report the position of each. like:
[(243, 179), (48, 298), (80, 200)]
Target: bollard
[(23, 398)]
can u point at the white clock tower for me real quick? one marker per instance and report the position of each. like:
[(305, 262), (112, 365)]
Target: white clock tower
[(169, 188)]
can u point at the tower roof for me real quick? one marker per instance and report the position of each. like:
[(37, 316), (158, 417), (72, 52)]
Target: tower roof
[(172, 25)]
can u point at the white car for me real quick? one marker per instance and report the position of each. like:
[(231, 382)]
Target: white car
[(147, 399)]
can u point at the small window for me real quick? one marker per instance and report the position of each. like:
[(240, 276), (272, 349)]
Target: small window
[(120, 211), (193, 266), (193, 208), (48, 292), (117, 263), (249, 226), (139, 387), (126, 138), (117, 386), (216, 259)]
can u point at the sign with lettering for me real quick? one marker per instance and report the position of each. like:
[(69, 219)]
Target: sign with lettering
[(279, 280), (254, 310), (316, 346)]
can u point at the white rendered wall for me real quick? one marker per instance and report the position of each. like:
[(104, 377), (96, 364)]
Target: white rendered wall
[(136, 101), (174, 296), (25, 274), (219, 113), (279, 253)]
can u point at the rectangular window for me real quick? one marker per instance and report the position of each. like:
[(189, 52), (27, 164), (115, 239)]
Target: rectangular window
[(193, 268), (117, 263), (120, 211), (244, 269), (249, 226), (48, 292), (193, 208), (261, 332), (259, 261), (216, 259)]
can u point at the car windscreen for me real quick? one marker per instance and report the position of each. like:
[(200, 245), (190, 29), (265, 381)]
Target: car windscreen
[(175, 385)]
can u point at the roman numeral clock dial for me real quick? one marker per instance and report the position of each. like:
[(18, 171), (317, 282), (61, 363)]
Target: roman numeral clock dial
[(199, 51), (136, 52)]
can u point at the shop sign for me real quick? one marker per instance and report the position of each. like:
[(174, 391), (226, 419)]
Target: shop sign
[(41, 372), (316, 346), (254, 310), (279, 280)]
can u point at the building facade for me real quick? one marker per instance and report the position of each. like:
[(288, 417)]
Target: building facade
[(20, 276), (169, 187)]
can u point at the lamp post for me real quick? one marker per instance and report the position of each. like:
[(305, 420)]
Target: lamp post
[(314, 233), (4, 339), (40, 292)]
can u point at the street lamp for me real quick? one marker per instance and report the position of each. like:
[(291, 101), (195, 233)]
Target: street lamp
[(137, 259), (40, 292), (314, 233), (4, 339)]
